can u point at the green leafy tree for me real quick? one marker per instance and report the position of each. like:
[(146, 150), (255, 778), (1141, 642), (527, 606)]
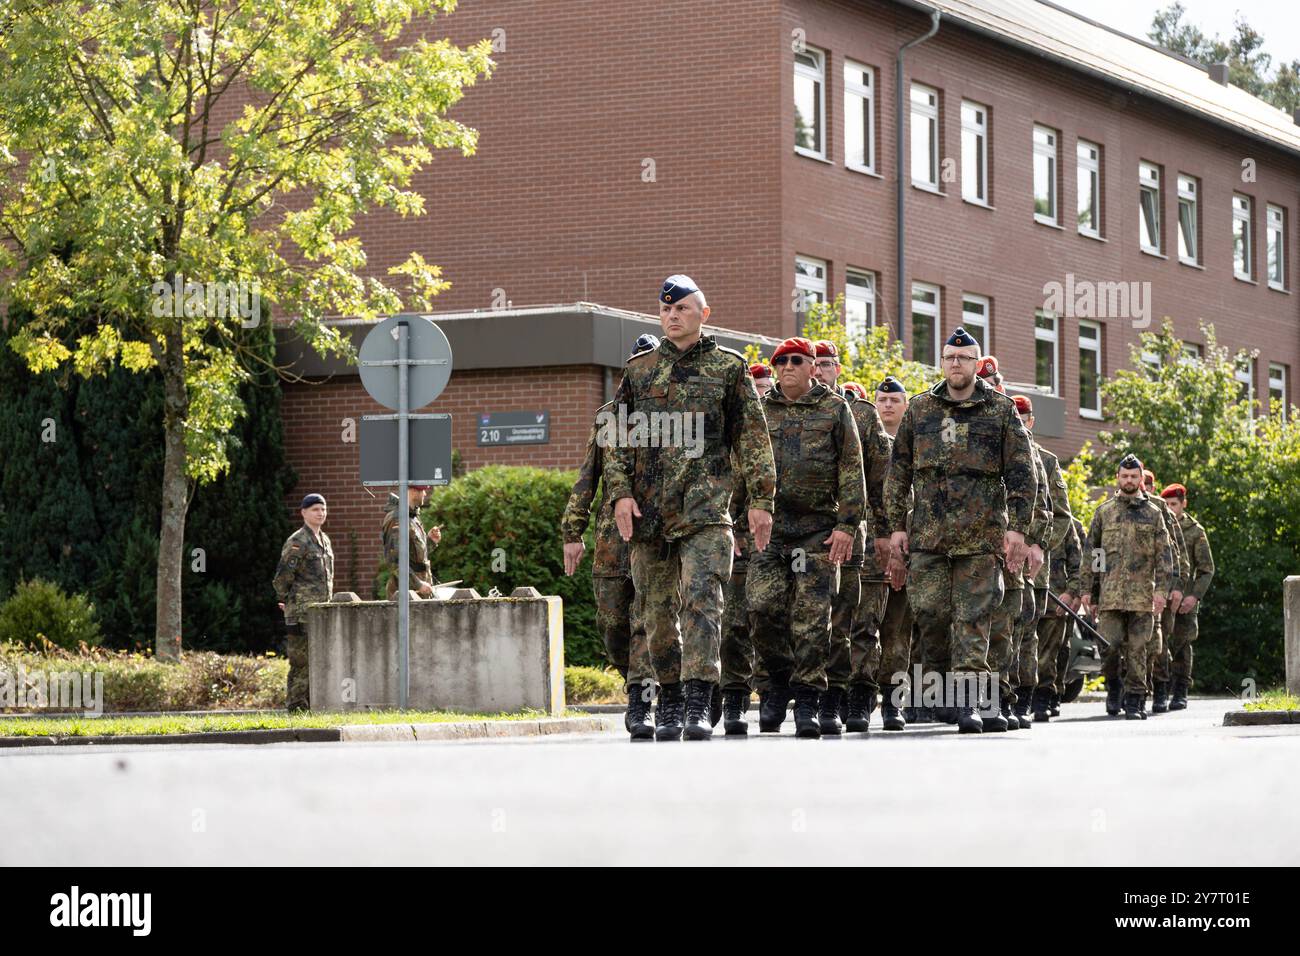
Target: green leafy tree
[(219, 150)]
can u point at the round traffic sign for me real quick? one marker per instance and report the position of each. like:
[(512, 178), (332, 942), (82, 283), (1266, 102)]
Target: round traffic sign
[(427, 351)]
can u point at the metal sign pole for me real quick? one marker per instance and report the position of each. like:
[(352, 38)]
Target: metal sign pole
[(403, 498)]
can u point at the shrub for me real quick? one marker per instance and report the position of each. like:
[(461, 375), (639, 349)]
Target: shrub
[(591, 685), (38, 609)]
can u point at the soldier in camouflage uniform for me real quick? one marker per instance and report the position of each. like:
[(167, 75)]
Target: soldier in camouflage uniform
[(1128, 569), (617, 614), (305, 575), (1164, 625), (963, 452), (820, 503), (850, 671), (420, 543), (672, 494), (737, 644), (1178, 649), (1052, 629), (762, 375)]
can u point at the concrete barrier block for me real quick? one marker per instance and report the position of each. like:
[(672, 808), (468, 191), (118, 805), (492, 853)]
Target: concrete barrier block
[(1291, 632)]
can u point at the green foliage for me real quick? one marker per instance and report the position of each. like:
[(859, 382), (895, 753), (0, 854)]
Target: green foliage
[(1189, 423), (1078, 476), (592, 685), (39, 611), (501, 528)]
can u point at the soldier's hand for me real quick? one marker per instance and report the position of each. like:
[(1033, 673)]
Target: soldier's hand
[(841, 546), (1158, 604), (1175, 598), (898, 544), (426, 590), (882, 551), (573, 552), (1188, 602), (1014, 550), (1085, 603), (760, 526), (1069, 600), (281, 605), (435, 534), (625, 510), (897, 573), (735, 548), (1035, 559)]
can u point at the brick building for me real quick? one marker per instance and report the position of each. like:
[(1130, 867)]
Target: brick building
[(753, 145)]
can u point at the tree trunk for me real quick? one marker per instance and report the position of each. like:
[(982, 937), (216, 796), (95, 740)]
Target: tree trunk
[(175, 499)]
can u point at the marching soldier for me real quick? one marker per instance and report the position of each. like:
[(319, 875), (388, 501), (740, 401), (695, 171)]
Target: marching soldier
[(421, 570), (1178, 649), (1064, 582), (305, 575), (820, 503), (671, 500), (962, 462), (1164, 625), (1128, 571), (737, 644)]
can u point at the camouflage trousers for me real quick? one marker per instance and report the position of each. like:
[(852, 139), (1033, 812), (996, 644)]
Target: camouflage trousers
[(680, 584), (1176, 662), (298, 696), (953, 600), (1002, 638), (844, 611), (618, 617), (737, 645), (1161, 631), (884, 643), (790, 615), (1051, 636), (1129, 634), (1024, 671)]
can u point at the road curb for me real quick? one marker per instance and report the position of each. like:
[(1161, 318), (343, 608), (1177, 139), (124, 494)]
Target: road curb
[(1256, 718), (346, 733)]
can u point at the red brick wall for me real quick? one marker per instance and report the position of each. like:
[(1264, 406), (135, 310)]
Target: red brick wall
[(313, 419)]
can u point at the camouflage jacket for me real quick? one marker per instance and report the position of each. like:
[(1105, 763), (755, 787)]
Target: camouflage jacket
[(819, 484), (1200, 558), (682, 486), (740, 522), (876, 448), (970, 467), (1129, 556), (1040, 525), (421, 570), (1182, 566), (305, 574), (1059, 502), (1066, 563), (611, 556)]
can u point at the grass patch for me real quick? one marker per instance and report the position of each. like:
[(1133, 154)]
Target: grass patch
[(1274, 700), (591, 685)]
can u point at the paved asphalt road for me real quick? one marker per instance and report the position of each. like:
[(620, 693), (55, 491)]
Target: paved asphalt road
[(1177, 789)]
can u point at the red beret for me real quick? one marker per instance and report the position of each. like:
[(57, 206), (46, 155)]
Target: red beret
[(1148, 475), (759, 370), (1174, 491), (827, 349), (986, 366), (1023, 405), (856, 389), (797, 346)]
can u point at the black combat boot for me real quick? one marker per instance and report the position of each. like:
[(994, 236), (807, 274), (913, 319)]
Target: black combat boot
[(890, 715), (910, 715), (828, 712), (1179, 701), (670, 712), (773, 704), (805, 712), (1042, 704), (1133, 707), (1024, 696), (968, 720), (946, 715), (699, 695), (715, 705), (858, 715), (998, 720), (1113, 690), (638, 721), (734, 705), (1160, 697), (1055, 707)]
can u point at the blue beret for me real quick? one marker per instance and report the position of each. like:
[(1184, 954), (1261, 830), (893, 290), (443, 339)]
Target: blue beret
[(645, 341), (677, 287), (1130, 461), (961, 338), (891, 384), (312, 499)]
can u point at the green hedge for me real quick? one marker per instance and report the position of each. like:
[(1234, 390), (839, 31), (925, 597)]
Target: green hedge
[(38, 609)]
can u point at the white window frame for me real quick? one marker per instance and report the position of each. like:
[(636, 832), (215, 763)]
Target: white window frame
[(860, 97), (1275, 231), (1052, 335), (1149, 181), (976, 128), (1091, 166), (1047, 150), (864, 293), (807, 283), (1190, 352), (1243, 213), (1277, 383), (818, 76), (1189, 195), (1092, 345), (933, 311), (927, 113), (974, 320), (1246, 376)]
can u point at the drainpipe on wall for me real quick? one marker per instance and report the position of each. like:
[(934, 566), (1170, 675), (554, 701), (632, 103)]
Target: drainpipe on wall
[(900, 105)]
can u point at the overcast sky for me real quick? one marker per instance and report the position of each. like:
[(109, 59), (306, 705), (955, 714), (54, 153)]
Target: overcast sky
[(1277, 20)]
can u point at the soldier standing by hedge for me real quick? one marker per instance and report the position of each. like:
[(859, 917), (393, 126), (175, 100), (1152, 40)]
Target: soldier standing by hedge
[(671, 498), (305, 575), (1178, 648), (617, 614), (421, 570)]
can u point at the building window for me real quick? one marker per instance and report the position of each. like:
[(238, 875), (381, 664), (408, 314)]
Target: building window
[(1191, 353), (859, 303), (1149, 187), (1246, 380), (1045, 174), (1090, 369), (1276, 220), (925, 136), (925, 323), (810, 103), (975, 315), (1046, 367), (974, 152), (1151, 361), (1188, 247), (1089, 160), (1241, 233), (860, 117), (809, 282), (1277, 398)]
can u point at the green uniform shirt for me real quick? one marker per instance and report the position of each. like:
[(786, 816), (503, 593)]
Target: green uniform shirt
[(611, 556), (1129, 557), (305, 574)]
